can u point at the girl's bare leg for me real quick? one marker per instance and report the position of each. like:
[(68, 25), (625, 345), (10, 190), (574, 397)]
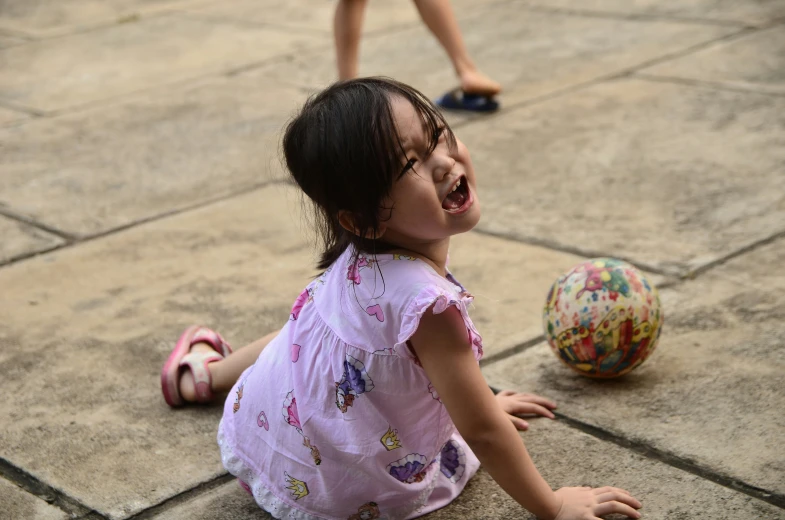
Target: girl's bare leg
[(347, 25), (225, 372), (440, 20)]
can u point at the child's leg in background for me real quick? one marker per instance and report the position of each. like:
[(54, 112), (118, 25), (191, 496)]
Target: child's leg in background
[(225, 372), (347, 26), (440, 19)]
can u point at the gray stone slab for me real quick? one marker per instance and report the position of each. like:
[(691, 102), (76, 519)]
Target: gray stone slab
[(304, 14), (8, 40), (15, 503), (380, 15), (567, 457), (530, 53), (755, 62), (59, 73), (748, 12), (8, 116), (46, 18), (226, 501), (712, 392), (509, 282), (161, 151), (19, 239), (669, 176), (575, 459)]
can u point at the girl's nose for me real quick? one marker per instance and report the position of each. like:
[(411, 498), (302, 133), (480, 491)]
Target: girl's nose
[(444, 167)]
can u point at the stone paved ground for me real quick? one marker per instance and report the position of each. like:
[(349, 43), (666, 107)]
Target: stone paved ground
[(140, 191)]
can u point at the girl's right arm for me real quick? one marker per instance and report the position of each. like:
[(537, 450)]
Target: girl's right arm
[(443, 348)]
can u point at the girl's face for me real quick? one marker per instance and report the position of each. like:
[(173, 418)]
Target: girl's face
[(436, 200)]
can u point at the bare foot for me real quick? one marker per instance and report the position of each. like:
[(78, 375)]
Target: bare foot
[(187, 387), (475, 82)]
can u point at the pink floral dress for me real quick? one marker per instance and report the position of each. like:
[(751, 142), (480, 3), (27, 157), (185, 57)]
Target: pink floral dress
[(337, 419)]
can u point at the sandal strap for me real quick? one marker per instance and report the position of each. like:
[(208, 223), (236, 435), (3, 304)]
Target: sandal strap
[(197, 363), (212, 338)]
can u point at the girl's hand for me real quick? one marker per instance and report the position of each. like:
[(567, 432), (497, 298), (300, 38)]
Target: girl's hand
[(514, 403), (585, 503)]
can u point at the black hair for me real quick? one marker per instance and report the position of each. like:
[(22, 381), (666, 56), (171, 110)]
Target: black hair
[(344, 151)]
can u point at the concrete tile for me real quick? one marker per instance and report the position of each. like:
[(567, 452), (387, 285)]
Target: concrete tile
[(593, 462), (46, 18), (59, 73), (8, 40), (226, 501), (666, 492), (303, 14), (20, 239), (159, 151), (379, 16), (85, 332), (530, 55), (17, 503), (509, 282), (750, 12), (755, 62), (8, 116), (668, 176), (713, 391)]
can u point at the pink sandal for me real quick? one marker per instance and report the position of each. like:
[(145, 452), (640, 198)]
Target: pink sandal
[(196, 362)]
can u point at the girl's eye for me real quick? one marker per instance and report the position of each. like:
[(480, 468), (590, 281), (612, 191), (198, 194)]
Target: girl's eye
[(437, 134), (408, 166)]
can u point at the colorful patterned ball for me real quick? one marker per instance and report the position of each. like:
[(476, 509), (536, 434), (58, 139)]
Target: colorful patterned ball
[(602, 318)]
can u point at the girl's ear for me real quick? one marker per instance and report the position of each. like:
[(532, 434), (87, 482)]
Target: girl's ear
[(346, 220)]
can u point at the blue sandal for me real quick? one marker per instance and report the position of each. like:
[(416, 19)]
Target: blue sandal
[(459, 100)]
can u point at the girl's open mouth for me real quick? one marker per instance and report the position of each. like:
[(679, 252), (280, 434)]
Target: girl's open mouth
[(459, 199)]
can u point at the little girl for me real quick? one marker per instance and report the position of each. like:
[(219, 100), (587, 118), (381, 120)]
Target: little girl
[(369, 403)]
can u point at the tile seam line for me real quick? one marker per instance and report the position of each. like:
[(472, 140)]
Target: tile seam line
[(88, 27), (182, 497), (705, 84), (203, 17), (376, 34), (675, 461), (140, 222), (22, 109), (49, 494), (8, 213), (121, 98), (472, 12), (611, 76), (708, 266), (511, 351), (640, 17), (561, 248)]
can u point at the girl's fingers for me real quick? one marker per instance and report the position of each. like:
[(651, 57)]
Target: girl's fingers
[(519, 423), (506, 393), (608, 489), (532, 398), (532, 408), (607, 508), (618, 496)]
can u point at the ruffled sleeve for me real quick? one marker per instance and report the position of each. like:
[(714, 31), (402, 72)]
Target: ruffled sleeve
[(441, 299)]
